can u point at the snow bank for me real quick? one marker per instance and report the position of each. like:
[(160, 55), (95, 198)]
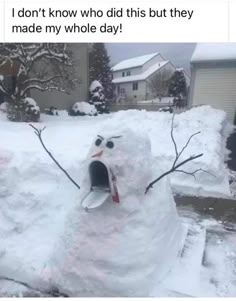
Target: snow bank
[(84, 108), (36, 198), (4, 107)]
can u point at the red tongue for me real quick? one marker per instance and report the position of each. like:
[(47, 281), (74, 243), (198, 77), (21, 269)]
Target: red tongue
[(98, 154)]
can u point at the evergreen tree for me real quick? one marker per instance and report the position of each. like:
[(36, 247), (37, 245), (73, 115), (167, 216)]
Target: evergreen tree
[(178, 87), (99, 68), (98, 98)]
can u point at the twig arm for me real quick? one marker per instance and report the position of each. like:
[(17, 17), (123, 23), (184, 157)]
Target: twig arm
[(38, 133), (174, 168)]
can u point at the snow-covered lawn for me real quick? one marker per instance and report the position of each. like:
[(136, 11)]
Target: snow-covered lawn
[(36, 196)]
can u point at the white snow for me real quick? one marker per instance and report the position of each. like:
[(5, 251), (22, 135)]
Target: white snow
[(120, 249), (134, 62), (1, 77), (141, 76), (4, 107), (94, 85), (32, 103), (163, 100), (84, 107), (39, 206), (214, 52)]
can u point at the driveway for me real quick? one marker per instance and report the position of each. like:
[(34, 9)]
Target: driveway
[(231, 145)]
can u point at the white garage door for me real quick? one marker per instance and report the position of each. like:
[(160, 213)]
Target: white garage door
[(216, 87)]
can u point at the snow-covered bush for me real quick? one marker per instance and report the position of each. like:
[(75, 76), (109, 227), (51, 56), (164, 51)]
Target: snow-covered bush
[(51, 111), (24, 110), (98, 98), (4, 107), (83, 108)]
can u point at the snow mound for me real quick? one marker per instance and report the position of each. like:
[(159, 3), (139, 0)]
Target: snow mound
[(95, 85), (84, 108), (31, 105), (119, 249), (4, 107)]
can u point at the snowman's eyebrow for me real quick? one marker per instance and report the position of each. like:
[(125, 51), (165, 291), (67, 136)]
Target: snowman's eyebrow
[(114, 137), (100, 137)]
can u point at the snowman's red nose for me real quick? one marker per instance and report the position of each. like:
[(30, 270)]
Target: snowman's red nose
[(98, 154)]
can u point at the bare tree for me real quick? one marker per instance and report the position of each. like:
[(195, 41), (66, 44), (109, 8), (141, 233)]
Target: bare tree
[(176, 164), (159, 83), (44, 67)]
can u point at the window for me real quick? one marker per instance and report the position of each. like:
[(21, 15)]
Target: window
[(128, 73), (123, 74), (135, 86)]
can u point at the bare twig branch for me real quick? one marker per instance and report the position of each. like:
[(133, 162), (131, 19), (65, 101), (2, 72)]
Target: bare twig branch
[(171, 170), (192, 173), (38, 133), (175, 167), (188, 143)]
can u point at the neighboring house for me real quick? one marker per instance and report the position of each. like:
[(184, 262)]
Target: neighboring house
[(132, 78), (57, 99), (213, 77)]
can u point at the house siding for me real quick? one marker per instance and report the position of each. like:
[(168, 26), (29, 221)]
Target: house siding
[(133, 71), (134, 95), (215, 86), (149, 93), (154, 60), (80, 93)]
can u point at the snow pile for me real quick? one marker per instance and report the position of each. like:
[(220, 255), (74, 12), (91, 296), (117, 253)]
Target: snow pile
[(84, 108), (214, 52), (31, 105), (119, 249), (211, 124), (4, 107), (95, 85), (37, 200)]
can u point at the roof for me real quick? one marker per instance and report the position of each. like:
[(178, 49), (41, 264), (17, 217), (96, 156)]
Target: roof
[(134, 62), (207, 52), (141, 76)]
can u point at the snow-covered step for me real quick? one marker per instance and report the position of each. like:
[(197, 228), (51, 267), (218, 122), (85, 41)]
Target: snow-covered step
[(184, 278), (220, 262)]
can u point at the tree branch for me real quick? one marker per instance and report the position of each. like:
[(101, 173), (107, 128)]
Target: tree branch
[(171, 170), (38, 133)]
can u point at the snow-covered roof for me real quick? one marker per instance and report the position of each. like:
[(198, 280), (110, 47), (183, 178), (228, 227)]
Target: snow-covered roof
[(134, 62), (206, 52), (141, 76)]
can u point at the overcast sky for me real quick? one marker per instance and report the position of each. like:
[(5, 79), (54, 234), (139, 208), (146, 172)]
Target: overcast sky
[(178, 53)]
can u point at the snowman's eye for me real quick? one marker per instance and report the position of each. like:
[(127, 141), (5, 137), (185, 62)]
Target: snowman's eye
[(98, 142), (110, 144)]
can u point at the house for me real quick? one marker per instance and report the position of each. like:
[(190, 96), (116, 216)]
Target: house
[(213, 77), (133, 78), (62, 101)]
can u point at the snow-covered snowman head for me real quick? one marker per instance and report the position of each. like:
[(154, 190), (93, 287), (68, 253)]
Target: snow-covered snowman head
[(120, 160)]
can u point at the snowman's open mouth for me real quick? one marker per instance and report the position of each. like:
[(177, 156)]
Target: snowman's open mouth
[(99, 176)]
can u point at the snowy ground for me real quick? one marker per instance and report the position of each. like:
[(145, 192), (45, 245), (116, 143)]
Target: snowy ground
[(36, 196), (205, 267)]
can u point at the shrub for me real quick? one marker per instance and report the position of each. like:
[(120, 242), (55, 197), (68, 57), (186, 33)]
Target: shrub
[(98, 98), (51, 111), (24, 110), (82, 109)]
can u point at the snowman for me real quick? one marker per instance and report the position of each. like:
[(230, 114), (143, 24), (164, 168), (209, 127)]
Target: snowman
[(118, 241)]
